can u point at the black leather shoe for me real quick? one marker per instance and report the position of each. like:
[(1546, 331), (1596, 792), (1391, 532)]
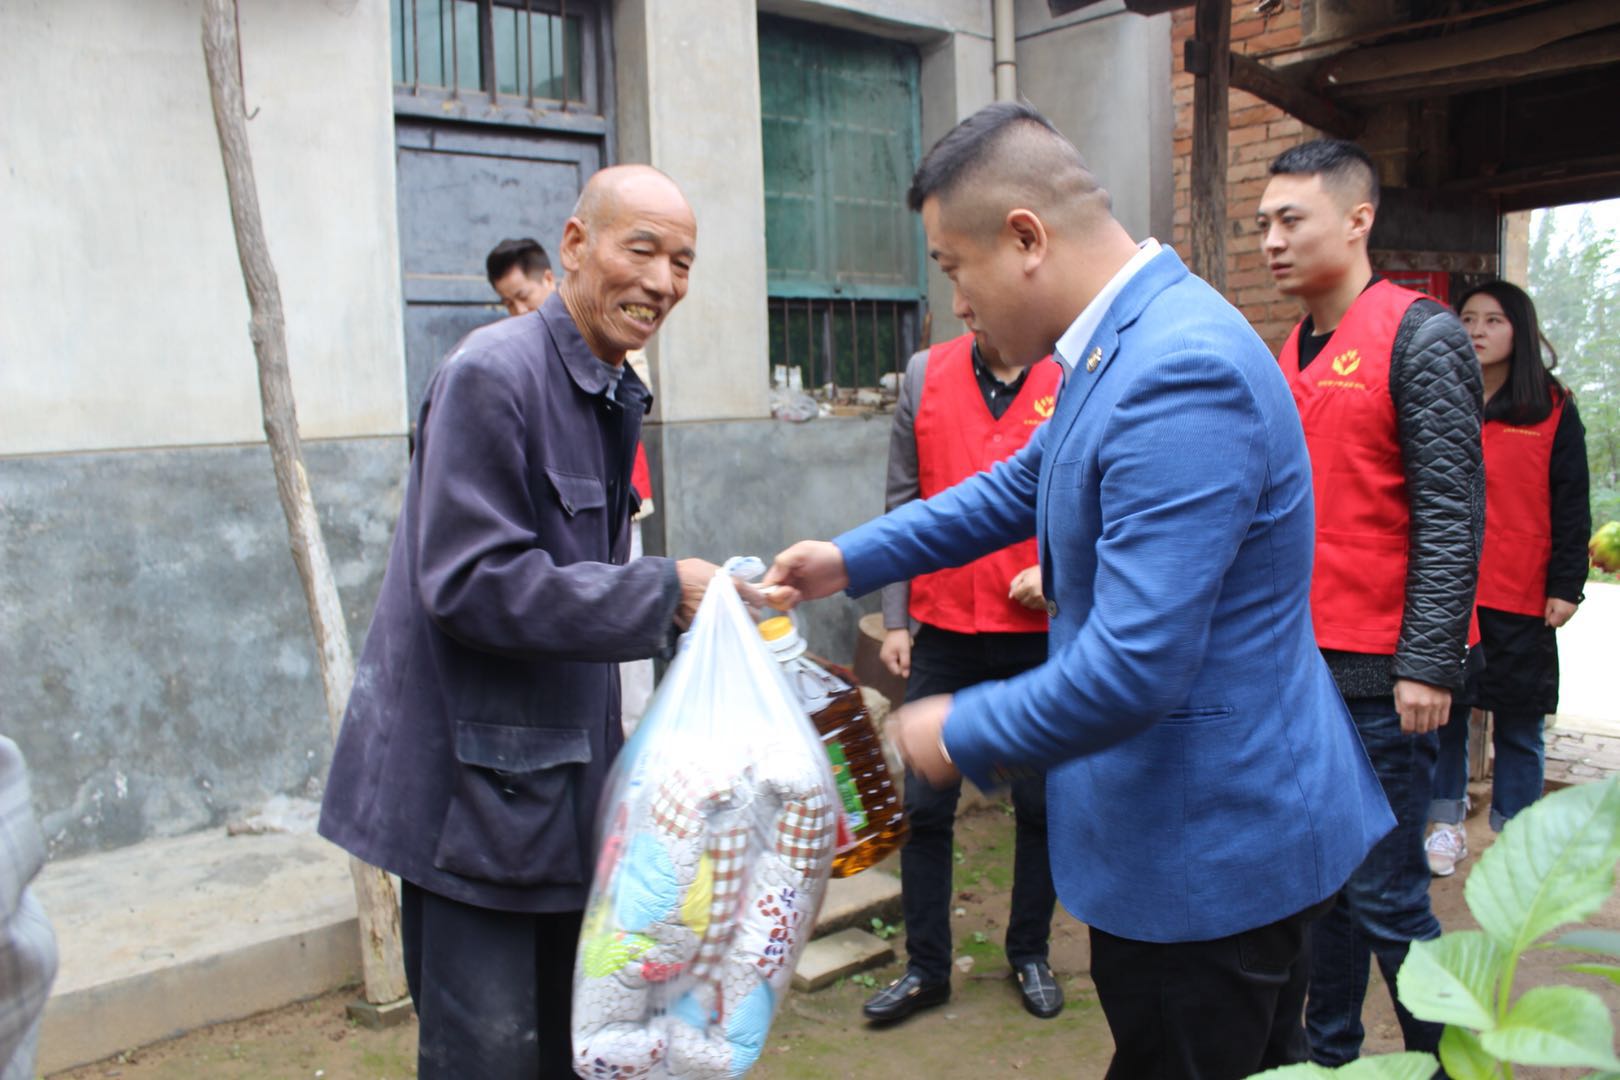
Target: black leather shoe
[(1039, 988), (905, 996)]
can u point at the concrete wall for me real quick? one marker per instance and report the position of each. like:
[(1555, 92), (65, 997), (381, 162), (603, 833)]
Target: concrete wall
[(688, 94), (160, 670), (128, 317), (751, 487), (1103, 77)]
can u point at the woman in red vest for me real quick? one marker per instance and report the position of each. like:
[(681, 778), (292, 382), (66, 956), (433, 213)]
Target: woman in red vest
[(1533, 565)]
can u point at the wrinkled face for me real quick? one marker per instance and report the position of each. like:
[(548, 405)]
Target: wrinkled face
[(521, 294), (1488, 328), (631, 269), (989, 286), (1310, 237)]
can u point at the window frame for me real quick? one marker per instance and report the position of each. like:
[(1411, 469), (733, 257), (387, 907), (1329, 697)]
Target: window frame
[(586, 115)]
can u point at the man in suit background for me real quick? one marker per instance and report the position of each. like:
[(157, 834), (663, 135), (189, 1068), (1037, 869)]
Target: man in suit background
[(1207, 794)]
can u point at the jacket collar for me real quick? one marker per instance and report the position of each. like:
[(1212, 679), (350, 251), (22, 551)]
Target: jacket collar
[(1162, 271), (584, 367)]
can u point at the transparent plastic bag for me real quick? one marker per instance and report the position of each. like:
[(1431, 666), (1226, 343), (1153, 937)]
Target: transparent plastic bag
[(716, 838)]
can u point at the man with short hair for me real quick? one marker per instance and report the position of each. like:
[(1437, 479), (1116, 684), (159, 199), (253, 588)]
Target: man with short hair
[(485, 709), (520, 271), (962, 408), (1389, 393), (1206, 791)]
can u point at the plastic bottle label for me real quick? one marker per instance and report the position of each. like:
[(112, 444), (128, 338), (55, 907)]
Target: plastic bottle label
[(853, 819)]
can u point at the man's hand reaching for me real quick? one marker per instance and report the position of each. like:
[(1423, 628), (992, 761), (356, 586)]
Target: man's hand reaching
[(809, 570)]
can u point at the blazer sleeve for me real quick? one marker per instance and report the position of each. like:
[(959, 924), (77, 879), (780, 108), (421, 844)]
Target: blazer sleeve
[(982, 514), (1180, 474), (484, 578)]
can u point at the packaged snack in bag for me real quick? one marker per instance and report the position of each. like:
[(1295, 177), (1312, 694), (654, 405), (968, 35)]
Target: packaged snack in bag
[(718, 826)]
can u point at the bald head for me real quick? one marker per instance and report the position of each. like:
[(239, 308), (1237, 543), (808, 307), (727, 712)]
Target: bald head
[(608, 190), (1004, 157), (628, 249)]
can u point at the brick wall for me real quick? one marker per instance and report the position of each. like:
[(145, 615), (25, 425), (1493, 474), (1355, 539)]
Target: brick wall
[(1258, 133)]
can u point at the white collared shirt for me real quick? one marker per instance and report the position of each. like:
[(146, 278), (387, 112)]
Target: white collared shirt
[(1079, 333)]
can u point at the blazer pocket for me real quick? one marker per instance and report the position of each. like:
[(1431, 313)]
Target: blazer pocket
[(577, 491), (1201, 715), (511, 818)]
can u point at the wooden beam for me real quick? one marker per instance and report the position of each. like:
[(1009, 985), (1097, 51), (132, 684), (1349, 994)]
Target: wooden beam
[(1569, 169), (1212, 42), (1507, 38), (1264, 83), (1576, 54)]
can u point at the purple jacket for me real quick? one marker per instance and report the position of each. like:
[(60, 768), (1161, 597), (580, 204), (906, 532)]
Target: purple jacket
[(485, 709)]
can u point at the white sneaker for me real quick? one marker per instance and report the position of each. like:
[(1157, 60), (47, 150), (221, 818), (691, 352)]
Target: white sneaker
[(1446, 846)]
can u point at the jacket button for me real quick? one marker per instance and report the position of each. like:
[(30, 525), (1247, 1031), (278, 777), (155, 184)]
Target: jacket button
[(1051, 609)]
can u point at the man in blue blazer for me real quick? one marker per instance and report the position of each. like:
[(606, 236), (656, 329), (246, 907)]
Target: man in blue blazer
[(1207, 793)]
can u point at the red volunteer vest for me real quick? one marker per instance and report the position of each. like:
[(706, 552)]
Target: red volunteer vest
[(1518, 514), (956, 438), (1363, 518), (641, 475)]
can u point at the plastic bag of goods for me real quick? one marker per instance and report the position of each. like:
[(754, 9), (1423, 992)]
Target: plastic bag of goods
[(716, 838)]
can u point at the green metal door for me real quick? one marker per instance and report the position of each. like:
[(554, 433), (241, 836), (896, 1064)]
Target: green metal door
[(841, 131)]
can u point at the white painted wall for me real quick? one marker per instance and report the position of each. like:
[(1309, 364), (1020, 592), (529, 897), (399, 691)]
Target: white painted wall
[(123, 318), (688, 99), (1102, 75)]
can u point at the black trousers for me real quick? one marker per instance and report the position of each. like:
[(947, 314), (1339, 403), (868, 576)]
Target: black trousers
[(493, 989), (1206, 1010), (943, 662)]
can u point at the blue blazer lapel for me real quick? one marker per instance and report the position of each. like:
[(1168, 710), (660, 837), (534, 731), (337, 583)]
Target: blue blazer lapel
[(1162, 271)]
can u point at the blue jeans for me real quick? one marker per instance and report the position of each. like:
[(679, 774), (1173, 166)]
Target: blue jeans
[(1384, 907), (1521, 760)]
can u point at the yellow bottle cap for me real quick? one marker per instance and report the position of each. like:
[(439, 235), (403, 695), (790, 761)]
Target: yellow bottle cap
[(775, 629)]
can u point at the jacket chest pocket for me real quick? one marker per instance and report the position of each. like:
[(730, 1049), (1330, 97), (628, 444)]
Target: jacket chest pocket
[(576, 492), (512, 818)]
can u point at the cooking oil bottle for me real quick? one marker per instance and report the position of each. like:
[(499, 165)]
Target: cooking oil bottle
[(872, 819)]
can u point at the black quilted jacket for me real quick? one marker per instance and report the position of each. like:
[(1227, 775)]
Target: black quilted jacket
[(1439, 399)]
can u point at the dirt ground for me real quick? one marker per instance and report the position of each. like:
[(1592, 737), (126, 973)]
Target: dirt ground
[(982, 1031)]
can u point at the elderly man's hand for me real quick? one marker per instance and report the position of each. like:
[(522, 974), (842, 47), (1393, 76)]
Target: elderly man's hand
[(694, 575), (808, 570), (1423, 708), (917, 731)]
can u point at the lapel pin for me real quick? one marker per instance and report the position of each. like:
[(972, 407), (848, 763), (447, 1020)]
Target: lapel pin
[(1094, 359)]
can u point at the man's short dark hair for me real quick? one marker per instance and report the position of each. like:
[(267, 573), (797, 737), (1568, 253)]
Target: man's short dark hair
[(966, 145), (1007, 156), (1341, 164), (526, 253)]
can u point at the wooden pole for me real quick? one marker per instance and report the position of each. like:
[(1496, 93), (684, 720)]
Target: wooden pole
[(1206, 58), (380, 953)]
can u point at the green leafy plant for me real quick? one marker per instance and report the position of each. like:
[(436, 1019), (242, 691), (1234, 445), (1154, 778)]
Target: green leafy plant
[(865, 979), (884, 930), (1553, 865)]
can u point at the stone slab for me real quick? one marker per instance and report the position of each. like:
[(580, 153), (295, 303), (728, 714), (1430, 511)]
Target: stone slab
[(171, 935), (392, 1014), (828, 959), (856, 901)]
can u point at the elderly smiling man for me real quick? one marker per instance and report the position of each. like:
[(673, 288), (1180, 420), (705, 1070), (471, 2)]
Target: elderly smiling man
[(485, 710)]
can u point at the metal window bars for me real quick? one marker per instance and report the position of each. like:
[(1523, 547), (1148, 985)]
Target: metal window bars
[(836, 348), (563, 33)]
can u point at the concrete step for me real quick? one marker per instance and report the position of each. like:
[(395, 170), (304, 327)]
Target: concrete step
[(828, 959), (172, 935)]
